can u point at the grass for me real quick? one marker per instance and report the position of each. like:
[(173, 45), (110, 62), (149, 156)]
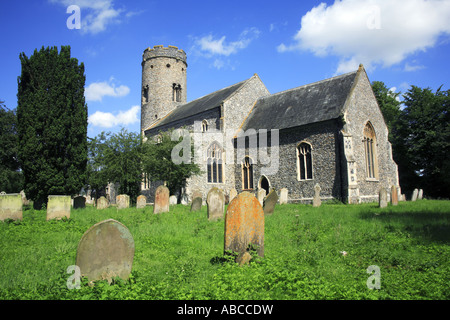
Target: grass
[(179, 255)]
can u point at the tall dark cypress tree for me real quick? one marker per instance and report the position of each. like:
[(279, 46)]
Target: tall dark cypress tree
[(52, 123)]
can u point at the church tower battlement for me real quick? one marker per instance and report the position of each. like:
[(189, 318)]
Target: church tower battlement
[(163, 83)]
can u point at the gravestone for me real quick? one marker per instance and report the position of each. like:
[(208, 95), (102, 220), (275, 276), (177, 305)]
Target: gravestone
[(58, 207), (316, 199), (141, 202), (10, 206), (161, 200), (244, 226), (414, 195), (233, 193), (173, 200), (382, 198), (105, 251), (102, 203), (261, 195), (196, 194), (79, 202), (215, 202), (420, 195), (394, 196), (123, 201), (25, 201), (283, 196), (270, 201), (196, 204)]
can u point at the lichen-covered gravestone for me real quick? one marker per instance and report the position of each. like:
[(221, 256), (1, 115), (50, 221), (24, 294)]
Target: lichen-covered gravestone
[(141, 201), (283, 196), (382, 201), (102, 203), (244, 226), (105, 251), (270, 201), (10, 206), (58, 207), (79, 202), (123, 201), (394, 196), (161, 200), (215, 202)]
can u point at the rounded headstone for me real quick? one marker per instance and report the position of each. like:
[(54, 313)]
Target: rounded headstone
[(141, 201), (215, 202), (123, 201), (161, 200), (102, 203), (106, 250), (196, 204)]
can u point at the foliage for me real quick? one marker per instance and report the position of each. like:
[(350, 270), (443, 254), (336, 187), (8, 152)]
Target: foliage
[(52, 123), (11, 179), (179, 255), (159, 166)]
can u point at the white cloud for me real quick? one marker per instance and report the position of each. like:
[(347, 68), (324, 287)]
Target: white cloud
[(211, 46), (372, 32), (96, 15), (108, 120), (97, 90)]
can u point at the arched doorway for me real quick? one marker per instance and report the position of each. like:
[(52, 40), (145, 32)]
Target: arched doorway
[(264, 184)]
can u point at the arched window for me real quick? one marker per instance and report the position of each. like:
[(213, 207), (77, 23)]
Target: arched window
[(214, 163), (304, 161), (204, 126), (247, 174), (176, 92), (370, 151)]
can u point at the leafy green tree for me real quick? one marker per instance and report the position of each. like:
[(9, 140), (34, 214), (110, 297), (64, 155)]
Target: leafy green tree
[(11, 178), (96, 167), (52, 123), (159, 166)]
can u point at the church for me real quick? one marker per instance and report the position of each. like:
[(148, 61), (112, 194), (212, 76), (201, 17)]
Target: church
[(329, 133)]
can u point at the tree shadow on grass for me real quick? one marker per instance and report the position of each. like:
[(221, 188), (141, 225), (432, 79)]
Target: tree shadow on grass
[(428, 225)]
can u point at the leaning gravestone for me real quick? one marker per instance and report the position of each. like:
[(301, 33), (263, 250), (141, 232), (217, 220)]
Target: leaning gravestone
[(123, 201), (233, 193), (79, 202), (105, 251), (261, 195), (394, 196), (244, 226), (102, 203), (283, 196), (58, 207), (161, 200), (270, 201), (316, 200), (215, 202), (196, 204), (414, 195), (10, 206), (382, 198), (141, 202), (420, 194)]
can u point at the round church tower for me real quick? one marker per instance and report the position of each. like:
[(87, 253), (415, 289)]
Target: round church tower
[(163, 83)]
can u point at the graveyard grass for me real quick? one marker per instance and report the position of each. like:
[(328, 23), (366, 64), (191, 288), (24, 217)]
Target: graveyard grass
[(310, 253)]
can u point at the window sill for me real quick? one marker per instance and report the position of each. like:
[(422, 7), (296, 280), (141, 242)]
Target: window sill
[(247, 189), (372, 180)]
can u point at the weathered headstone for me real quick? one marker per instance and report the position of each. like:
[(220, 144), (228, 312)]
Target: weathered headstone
[(58, 207), (261, 195), (161, 200), (414, 195), (173, 200), (10, 206), (382, 198), (420, 194), (25, 201), (102, 203), (244, 226), (270, 201), (196, 194), (215, 202), (196, 204), (394, 196), (283, 196), (141, 202), (123, 201), (105, 251), (79, 202), (233, 193), (316, 199)]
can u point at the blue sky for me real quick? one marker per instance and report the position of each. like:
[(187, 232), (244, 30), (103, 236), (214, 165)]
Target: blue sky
[(287, 43)]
